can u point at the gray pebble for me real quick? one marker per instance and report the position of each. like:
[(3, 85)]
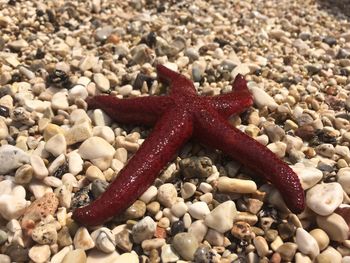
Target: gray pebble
[(17, 253), (196, 167), (98, 186), (3, 237), (186, 245)]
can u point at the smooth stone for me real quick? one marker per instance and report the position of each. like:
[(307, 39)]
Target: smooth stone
[(36, 105), (262, 248), (185, 245), (78, 133), (278, 148), (127, 257), (335, 226), (83, 240), (39, 168), (143, 229), (221, 217), (309, 176), (95, 256), (215, 238), (59, 101), (136, 210), (78, 116), (261, 97), (24, 174), (198, 229), (287, 251), (167, 194), (98, 151), (78, 92), (242, 230), (88, 62), (4, 132), (122, 240), (39, 253), (242, 69), (301, 258), (306, 243), (58, 257), (104, 132), (12, 207), (149, 195), (187, 190), (326, 150), (329, 255), (56, 164), (75, 163), (102, 83), (56, 145), (11, 157), (168, 254), (76, 256), (5, 258), (94, 173), (51, 130), (196, 167), (343, 177), (321, 238), (323, 199), (154, 243), (104, 240), (198, 210), (18, 44), (179, 209), (233, 185), (45, 234)]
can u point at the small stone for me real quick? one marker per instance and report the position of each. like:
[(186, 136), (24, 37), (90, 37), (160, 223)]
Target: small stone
[(98, 151), (135, 211), (261, 98), (56, 145), (17, 45), (45, 234), (78, 92), (83, 240), (59, 101), (3, 237), (323, 199), (242, 230), (11, 158), (95, 255), (155, 243), (221, 217), (287, 251), (203, 254), (17, 253), (94, 173), (39, 168), (261, 246), (122, 240), (187, 190), (321, 238), (64, 238), (233, 185), (198, 210), (278, 148), (98, 187), (88, 62), (104, 240), (306, 243), (185, 245), (102, 83), (39, 253), (167, 194), (196, 167), (168, 254), (5, 258), (24, 174), (51, 130), (78, 133), (144, 229), (343, 177), (214, 238), (76, 256), (103, 33), (149, 195), (242, 69), (104, 132), (335, 226), (309, 176), (127, 257), (179, 209), (329, 255), (75, 163), (3, 127), (326, 150)]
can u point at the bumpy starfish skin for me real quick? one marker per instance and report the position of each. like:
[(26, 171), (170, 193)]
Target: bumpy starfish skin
[(177, 117)]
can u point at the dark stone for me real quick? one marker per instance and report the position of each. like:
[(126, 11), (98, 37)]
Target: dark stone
[(4, 111), (331, 41), (59, 78), (17, 253), (140, 79), (61, 170), (203, 255), (40, 12), (221, 42), (16, 77), (150, 39), (177, 227), (81, 198)]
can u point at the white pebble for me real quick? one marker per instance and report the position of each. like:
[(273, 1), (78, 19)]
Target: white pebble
[(307, 244), (39, 168), (309, 176), (198, 210), (83, 240), (56, 145), (167, 194), (11, 158), (75, 163), (149, 195), (221, 217)]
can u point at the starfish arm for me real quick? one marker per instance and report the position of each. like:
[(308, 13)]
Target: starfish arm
[(141, 110), (213, 130), (172, 130), (236, 101), (179, 84)]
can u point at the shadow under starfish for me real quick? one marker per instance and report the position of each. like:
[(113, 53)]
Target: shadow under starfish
[(177, 117)]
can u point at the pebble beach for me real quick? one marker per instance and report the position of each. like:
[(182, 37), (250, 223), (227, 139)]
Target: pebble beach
[(56, 155)]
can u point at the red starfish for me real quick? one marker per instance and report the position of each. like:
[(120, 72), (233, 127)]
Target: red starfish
[(177, 117)]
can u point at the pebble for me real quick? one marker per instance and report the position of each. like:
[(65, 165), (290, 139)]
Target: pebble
[(56, 145), (102, 83), (196, 167), (321, 238), (143, 229), (59, 101), (94, 173), (233, 185), (19, 44), (3, 129), (215, 238), (98, 151), (221, 217), (326, 150), (203, 254), (5, 258), (335, 226), (179, 209), (24, 174), (12, 206), (11, 157), (287, 251), (17, 253), (3, 237), (198, 229), (185, 245), (309, 176), (323, 199), (98, 187), (45, 234), (75, 163), (106, 133), (122, 240), (78, 92), (76, 255), (78, 133), (104, 240), (83, 240), (198, 210), (63, 237), (135, 211), (306, 243), (39, 253), (127, 257), (167, 195), (155, 243), (149, 195), (242, 230), (329, 255), (39, 168), (168, 254), (95, 255), (187, 190), (261, 246), (343, 178), (261, 98)]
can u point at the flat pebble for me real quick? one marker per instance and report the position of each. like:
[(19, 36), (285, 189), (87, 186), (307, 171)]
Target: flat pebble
[(198, 229), (95, 256), (287, 251), (39, 168), (343, 177), (104, 240), (187, 190), (143, 229), (306, 243), (98, 151), (78, 133), (167, 194), (83, 240), (168, 254), (77, 256), (221, 217), (56, 145), (102, 83), (261, 98), (75, 163), (321, 238), (39, 253), (185, 245), (261, 246), (179, 209), (149, 195), (309, 176), (323, 199), (334, 225), (11, 158), (233, 185), (127, 257), (198, 210)]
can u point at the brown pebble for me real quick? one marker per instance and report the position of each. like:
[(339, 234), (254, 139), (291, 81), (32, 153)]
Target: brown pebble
[(275, 258), (160, 232), (241, 230)]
